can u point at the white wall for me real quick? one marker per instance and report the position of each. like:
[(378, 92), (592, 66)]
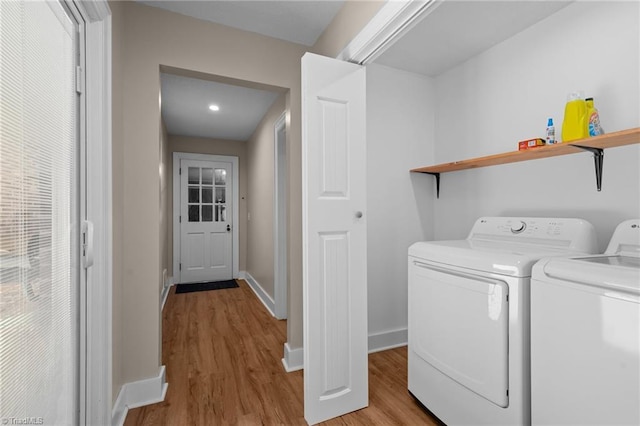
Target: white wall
[(399, 204), (486, 105)]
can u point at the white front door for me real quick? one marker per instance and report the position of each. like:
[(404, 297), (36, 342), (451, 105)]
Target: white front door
[(206, 247), (334, 238)]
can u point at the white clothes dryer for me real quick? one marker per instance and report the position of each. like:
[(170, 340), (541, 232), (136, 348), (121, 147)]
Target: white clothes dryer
[(585, 335), (468, 330)]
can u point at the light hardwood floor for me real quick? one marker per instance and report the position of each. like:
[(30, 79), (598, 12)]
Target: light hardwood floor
[(223, 351)]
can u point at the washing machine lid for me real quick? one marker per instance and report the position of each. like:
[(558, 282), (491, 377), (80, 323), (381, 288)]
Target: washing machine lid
[(604, 272), (622, 261), (626, 239), (509, 245), (618, 269)]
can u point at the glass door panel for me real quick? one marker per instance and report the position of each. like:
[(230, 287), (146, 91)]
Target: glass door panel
[(200, 194), (39, 214)]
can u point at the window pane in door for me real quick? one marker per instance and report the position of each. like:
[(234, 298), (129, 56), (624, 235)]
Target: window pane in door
[(207, 195), (221, 213), (194, 194), (221, 176), (220, 195), (207, 213), (194, 213), (194, 175), (207, 176), (38, 214)]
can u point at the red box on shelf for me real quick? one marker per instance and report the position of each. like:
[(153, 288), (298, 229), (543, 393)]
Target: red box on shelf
[(531, 143)]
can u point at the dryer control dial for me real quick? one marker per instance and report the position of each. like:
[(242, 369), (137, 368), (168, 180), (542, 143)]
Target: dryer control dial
[(518, 227)]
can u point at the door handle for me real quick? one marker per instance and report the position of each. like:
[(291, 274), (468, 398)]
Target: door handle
[(87, 244), (228, 228), (358, 215)]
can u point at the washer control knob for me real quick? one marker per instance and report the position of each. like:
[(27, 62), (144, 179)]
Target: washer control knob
[(516, 229)]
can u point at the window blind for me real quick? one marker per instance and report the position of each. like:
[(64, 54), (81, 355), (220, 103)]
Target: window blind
[(38, 214)]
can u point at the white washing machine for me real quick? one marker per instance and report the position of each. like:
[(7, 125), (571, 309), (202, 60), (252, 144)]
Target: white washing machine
[(585, 336), (469, 316)]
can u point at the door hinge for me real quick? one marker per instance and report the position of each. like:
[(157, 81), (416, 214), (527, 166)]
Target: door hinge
[(180, 219), (79, 80), (180, 171), (181, 266)]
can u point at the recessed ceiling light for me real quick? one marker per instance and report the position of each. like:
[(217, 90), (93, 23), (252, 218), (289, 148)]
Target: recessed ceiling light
[(214, 107)]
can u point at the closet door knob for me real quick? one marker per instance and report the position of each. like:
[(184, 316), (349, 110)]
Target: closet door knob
[(358, 215)]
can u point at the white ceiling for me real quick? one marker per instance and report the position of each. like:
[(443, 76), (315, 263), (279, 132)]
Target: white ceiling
[(185, 108), (456, 30), (298, 21)]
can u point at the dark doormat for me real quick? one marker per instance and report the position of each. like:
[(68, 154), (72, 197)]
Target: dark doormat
[(215, 285)]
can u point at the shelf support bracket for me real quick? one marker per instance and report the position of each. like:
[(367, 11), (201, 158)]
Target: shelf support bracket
[(598, 161), (437, 175)]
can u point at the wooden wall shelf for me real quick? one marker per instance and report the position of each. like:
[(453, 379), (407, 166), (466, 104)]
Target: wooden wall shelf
[(596, 145)]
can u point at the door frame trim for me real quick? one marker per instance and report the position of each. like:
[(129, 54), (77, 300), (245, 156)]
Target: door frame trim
[(97, 401), (392, 21), (280, 232), (235, 236)]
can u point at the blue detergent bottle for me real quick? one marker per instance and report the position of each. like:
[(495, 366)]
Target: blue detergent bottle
[(551, 132)]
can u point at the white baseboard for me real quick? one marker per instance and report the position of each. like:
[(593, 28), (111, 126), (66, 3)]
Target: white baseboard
[(293, 358), (138, 394), (242, 275), (165, 291), (264, 297), (387, 340), (120, 410)]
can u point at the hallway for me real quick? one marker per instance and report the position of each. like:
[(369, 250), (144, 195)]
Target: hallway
[(223, 351)]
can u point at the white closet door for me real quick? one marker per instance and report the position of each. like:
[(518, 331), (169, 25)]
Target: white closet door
[(39, 214), (334, 238)]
